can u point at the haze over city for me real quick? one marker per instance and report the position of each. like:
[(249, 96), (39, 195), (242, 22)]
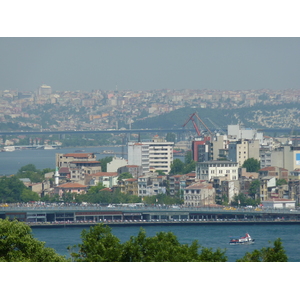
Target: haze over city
[(149, 63)]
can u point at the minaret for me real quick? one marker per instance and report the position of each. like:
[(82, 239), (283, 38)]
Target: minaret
[(56, 177)]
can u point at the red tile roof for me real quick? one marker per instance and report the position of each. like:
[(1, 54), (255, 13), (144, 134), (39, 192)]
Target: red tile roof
[(73, 185), (267, 169), (99, 174), (203, 185), (64, 170), (130, 179)]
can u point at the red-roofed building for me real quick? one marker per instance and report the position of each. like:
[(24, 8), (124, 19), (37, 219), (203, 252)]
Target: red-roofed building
[(278, 173), (108, 179), (70, 187), (79, 164)]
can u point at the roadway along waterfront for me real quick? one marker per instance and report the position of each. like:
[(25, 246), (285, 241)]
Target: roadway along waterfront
[(46, 215)]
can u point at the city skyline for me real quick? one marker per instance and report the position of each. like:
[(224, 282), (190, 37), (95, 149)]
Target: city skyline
[(149, 63)]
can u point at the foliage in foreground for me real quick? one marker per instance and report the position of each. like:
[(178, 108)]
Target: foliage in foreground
[(100, 245), (269, 254), (17, 244)]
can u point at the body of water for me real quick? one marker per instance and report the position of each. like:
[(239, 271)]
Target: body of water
[(211, 236), (11, 162)]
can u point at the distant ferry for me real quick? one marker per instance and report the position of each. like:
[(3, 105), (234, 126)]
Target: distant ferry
[(242, 240), (49, 147), (9, 148), (107, 152)]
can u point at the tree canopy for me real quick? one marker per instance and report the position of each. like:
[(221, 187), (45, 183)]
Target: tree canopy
[(251, 165), (180, 167), (17, 244), (31, 172), (99, 244), (104, 161), (13, 190), (267, 254)]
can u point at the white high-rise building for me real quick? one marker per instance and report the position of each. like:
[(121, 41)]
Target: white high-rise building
[(156, 155), (44, 90)]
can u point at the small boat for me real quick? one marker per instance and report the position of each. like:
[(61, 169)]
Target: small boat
[(247, 239)]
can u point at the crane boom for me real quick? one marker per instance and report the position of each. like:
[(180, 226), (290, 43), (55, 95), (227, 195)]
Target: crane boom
[(191, 118)]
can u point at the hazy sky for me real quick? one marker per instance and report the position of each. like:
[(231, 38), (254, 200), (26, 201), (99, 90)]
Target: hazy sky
[(149, 63)]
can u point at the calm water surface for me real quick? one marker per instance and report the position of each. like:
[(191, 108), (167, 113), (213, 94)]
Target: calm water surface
[(211, 236), (11, 162)]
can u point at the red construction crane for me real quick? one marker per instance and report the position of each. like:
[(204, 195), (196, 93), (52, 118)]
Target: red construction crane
[(191, 118)]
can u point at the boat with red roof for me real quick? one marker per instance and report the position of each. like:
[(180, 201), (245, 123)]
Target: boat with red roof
[(247, 239)]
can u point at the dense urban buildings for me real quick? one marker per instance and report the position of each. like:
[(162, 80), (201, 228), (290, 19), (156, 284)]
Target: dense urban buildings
[(219, 155)]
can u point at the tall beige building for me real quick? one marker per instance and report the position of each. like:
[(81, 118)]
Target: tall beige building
[(241, 150)]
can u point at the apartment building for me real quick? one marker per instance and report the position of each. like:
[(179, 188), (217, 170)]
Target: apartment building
[(108, 179), (287, 157), (156, 155), (134, 170), (129, 186), (201, 149), (241, 150), (211, 169), (219, 147), (239, 132), (151, 184), (199, 194), (278, 173)]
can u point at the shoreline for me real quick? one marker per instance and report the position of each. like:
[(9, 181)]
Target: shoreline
[(172, 223)]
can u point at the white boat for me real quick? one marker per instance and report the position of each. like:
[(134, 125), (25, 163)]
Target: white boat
[(247, 239), (48, 147), (9, 148)]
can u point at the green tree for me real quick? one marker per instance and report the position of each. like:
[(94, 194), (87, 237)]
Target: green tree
[(177, 167), (124, 175), (13, 190), (251, 165), (188, 158), (254, 189), (17, 244), (171, 137), (242, 200), (96, 189), (162, 199), (98, 245), (269, 254), (280, 182), (28, 195), (31, 172), (104, 161)]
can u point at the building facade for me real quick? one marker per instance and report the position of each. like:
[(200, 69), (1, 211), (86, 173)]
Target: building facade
[(211, 169), (155, 155), (199, 194)]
